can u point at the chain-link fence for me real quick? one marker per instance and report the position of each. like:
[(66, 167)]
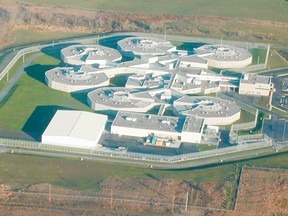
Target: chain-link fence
[(245, 145), (96, 39)]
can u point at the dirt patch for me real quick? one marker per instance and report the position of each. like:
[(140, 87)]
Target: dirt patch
[(124, 195), (51, 19), (263, 192), (4, 191)]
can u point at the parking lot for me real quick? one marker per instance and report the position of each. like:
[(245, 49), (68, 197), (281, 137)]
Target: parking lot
[(276, 129)]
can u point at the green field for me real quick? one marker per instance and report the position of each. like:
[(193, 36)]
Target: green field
[(259, 9), (16, 171), (33, 103)]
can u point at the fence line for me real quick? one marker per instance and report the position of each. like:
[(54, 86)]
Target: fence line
[(246, 125), (265, 141), (96, 39)]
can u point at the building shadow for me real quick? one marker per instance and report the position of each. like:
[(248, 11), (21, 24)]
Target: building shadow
[(39, 120), (37, 71), (190, 46), (112, 41), (81, 97), (55, 51)]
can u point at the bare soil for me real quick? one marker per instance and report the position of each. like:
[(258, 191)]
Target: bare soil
[(52, 19), (263, 192), (129, 196)]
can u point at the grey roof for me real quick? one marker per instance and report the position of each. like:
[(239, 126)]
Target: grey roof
[(205, 107), (223, 52), (255, 78), (74, 76), (193, 124), (193, 58), (82, 53), (145, 45), (119, 97), (147, 121)]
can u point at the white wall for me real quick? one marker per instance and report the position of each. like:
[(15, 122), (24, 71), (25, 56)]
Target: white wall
[(69, 142), (255, 89), (191, 137), (136, 132)]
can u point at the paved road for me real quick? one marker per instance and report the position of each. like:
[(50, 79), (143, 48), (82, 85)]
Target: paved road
[(16, 77), (273, 71), (181, 165), (276, 129), (8, 57)]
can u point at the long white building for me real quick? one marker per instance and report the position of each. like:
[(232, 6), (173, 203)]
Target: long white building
[(142, 125), (77, 129), (253, 84)]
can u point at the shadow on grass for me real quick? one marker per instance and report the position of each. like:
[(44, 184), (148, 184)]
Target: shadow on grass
[(55, 51), (81, 97), (39, 120), (8, 95), (190, 46), (37, 71), (112, 41)]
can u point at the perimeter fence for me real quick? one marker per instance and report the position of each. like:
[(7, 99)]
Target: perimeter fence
[(260, 142), (246, 125), (96, 39)]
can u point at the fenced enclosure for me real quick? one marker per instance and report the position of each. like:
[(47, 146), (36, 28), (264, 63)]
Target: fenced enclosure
[(248, 142), (96, 38), (246, 125)]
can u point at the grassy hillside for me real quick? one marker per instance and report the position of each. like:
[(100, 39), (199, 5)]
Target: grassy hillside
[(276, 10)]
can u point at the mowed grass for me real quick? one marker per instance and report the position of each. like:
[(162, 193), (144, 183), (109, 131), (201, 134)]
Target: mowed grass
[(14, 70), (33, 103), (259, 9)]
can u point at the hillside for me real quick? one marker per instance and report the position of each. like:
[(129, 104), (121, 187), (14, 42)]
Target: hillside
[(22, 23), (276, 10)]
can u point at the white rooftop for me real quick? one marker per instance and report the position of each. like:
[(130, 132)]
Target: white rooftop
[(75, 125)]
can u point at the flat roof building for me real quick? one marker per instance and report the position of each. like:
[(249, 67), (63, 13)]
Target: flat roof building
[(75, 79), (120, 98), (142, 46), (77, 129), (214, 111), (254, 84), (224, 56), (90, 54), (143, 125)]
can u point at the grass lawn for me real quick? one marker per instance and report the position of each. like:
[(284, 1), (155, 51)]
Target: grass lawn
[(275, 61), (16, 171), (258, 9), (14, 69), (33, 103), (258, 127), (258, 54), (245, 117)]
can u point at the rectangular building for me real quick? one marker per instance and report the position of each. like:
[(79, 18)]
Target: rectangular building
[(256, 85), (76, 129), (143, 125)]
